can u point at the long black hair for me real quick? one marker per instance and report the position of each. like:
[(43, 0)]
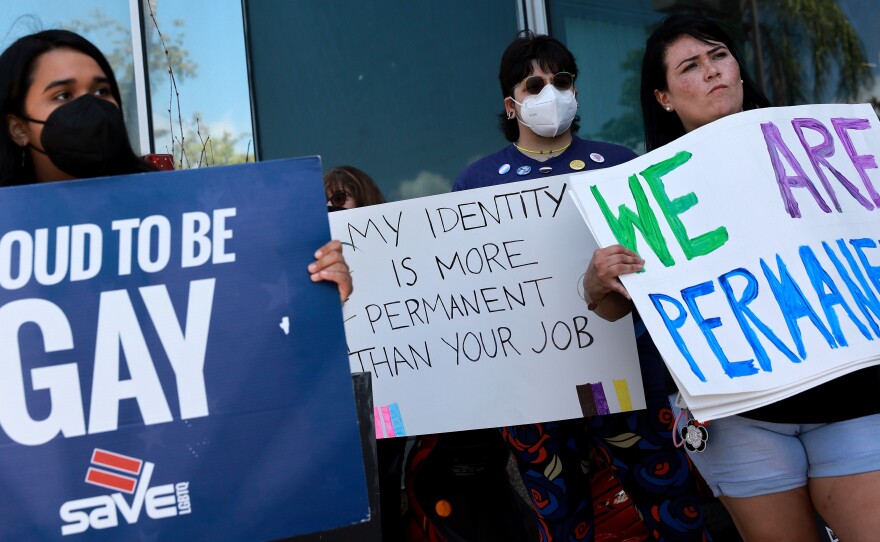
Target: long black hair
[(516, 64), (661, 127), (17, 64)]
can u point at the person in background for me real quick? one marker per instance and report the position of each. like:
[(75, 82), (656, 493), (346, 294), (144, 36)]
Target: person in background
[(61, 107), (348, 187), (62, 112), (820, 449), (538, 76)]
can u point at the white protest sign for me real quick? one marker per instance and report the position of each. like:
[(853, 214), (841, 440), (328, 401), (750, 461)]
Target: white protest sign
[(760, 234), (468, 312)]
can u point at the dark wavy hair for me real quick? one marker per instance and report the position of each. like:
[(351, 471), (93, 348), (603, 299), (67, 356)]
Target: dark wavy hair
[(661, 127), (17, 64), (516, 65), (355, 182)]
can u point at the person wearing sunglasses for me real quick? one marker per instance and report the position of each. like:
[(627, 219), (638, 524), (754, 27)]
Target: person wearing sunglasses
[(538, 75), (348, 187)]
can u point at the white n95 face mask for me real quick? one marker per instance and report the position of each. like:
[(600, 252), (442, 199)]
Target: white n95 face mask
[(548, 113)]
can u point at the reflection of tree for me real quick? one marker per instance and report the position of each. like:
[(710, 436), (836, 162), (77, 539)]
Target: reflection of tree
[(190, 143), (166, 56), (201, 148), (626, 129), (804, 46), (121, 58)]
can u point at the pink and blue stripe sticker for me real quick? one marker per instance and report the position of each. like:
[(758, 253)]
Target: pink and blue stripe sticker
[(388, 421)]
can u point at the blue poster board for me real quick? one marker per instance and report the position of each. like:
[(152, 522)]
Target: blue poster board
[(168, 371)]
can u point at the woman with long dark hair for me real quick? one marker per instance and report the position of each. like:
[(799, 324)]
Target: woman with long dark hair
[(65, 128), (820, 449), (62, 111)]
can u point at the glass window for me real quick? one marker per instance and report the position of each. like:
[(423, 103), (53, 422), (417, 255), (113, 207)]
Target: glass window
[(202, 115), (608, 41), (106, 24), (863, 16), (407, 91)]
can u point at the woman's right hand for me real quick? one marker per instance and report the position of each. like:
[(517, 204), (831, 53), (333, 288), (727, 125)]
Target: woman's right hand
[(330, 265), (602, 280)]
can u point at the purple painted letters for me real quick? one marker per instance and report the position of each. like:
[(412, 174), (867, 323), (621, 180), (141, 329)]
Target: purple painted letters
[(819, 155), (860, 161), (775, 146)]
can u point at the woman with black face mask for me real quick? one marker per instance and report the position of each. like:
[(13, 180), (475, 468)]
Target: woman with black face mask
[(62, 109), (61, 104)]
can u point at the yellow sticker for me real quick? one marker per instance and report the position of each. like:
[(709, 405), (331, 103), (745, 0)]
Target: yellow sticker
[(623, 395), (577, 165)]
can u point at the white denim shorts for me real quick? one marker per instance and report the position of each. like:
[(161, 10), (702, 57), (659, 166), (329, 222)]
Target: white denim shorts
[(747, 458)]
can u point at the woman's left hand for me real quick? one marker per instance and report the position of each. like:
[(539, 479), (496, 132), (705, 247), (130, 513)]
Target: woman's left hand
[(330, 265)]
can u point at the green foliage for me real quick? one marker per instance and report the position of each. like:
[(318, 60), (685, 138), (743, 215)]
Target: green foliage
[(121, 58), (169, 63), (807, 44), (201, 149)]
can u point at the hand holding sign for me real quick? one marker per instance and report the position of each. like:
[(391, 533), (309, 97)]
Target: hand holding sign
[(605, 294), (161, 342), (330, 265), (777, 289)]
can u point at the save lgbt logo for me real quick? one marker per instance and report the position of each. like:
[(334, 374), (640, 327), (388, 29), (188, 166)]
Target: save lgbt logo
[(129, 475)]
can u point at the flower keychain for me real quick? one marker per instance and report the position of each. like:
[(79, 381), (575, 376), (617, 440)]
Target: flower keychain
[(694, 435)]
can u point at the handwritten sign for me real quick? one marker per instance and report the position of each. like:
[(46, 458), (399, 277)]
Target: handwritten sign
[(167, 363), (468, 312), (760, 235)]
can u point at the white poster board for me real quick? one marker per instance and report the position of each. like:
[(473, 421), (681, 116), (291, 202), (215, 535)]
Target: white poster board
[(760, 234), (468, 312)]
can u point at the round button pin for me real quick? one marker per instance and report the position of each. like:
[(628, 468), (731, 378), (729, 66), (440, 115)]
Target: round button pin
[(596, 157), (504, 169), (523, 170), (546, 169), (577, 165)]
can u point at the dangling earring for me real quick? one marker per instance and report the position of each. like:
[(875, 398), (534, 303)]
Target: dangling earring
[(510, 115)]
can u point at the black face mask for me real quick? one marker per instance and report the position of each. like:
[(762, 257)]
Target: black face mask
[(85, 137)]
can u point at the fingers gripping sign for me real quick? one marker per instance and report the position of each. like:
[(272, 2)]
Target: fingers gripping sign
[(604, 270), (330, 265)]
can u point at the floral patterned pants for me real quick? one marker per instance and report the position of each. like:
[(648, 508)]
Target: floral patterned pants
[(553, 460)]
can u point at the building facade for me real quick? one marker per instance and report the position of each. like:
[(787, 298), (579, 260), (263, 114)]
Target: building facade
[(408, 91)]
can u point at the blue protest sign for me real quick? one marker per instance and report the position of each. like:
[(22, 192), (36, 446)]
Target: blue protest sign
[(168, 371)]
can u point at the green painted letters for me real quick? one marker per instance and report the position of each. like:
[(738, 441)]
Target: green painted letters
[(644, 220), (700, 245)]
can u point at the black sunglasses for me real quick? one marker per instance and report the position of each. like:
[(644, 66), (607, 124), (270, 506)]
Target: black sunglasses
[(535, 83), (337, 199)]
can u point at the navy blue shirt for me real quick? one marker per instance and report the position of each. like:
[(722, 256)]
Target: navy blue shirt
[(509, 164)]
